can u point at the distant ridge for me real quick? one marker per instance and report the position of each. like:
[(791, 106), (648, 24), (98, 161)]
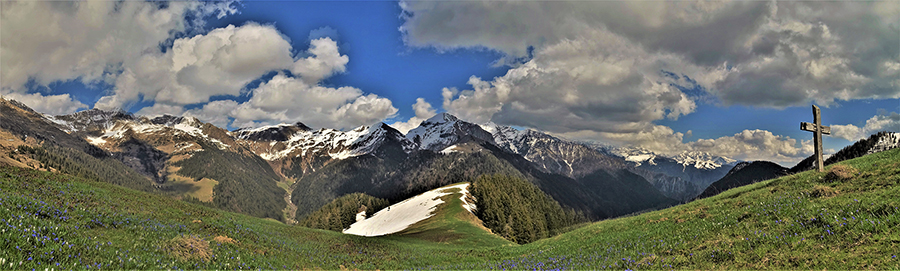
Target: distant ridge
[(745, 173)]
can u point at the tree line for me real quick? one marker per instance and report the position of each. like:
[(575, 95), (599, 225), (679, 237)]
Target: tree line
[(518, 210)]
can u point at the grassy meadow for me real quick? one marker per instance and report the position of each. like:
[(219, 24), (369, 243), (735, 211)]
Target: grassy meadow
[(845, 218)]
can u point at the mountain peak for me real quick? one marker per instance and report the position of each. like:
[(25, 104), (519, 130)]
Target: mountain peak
[(441, 118), (443, 130)]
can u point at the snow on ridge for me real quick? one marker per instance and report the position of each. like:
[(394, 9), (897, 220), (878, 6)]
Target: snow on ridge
[(505, 136), (640, 158), (702, 160), (68, 127), (441, 118), (336, 144), (263, 128), (433, 132), (400, 216), (886, 142)]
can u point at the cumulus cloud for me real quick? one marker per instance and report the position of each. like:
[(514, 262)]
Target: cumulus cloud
[(882, 122), (286, 99), (220, 62), (598, 82), (50, 104), (756, 145), (48, 41), (324, 61), (223, 61), (770, 54), (423, 110)]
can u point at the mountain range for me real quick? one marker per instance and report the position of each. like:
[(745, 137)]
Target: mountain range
[(289, 171)]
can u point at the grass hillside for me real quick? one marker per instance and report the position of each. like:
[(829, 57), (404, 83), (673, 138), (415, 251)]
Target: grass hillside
[(845, 218), (745, 173)]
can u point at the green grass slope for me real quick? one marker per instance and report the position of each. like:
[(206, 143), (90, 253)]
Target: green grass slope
[(810, 220), (453, 225)]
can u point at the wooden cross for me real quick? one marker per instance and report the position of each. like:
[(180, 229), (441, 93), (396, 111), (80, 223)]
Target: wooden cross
[(818, 129)]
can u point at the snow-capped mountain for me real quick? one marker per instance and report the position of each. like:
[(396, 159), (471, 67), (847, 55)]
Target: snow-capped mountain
[(695, 159), (89, 120), (148, 145), (636, 155), (683, 176), (444, 130), (102, 127), (333, 143), (552, 154), (703, 160), (279, 132)]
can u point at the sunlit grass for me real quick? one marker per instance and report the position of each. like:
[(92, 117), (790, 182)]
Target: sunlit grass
[(802, 221)]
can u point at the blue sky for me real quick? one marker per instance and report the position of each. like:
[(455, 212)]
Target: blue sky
[(731, 78)]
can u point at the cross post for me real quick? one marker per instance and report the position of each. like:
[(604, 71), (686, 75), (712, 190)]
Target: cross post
[(818, 129)]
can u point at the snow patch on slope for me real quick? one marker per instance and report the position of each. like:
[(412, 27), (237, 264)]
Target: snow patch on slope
[(449, 150), (400, 216), (95, 140)]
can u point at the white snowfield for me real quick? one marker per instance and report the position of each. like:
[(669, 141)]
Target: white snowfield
[(399, 216)]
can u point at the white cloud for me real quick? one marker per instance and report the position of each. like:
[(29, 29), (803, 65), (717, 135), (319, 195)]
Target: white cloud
[(49, 41), (289, 99), (51, 104), (598, 82), (759, 53), (882, 122), (756, 145), (220, 62), (324, 61), (423, 110), (223, 61), (286, 99)]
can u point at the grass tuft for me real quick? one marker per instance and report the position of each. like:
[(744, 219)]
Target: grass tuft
[(190, 247)]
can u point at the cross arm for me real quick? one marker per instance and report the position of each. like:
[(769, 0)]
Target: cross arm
[(811, 127)]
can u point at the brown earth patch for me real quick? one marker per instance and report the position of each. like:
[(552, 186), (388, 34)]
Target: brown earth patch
[(841, 173), (821, 191)]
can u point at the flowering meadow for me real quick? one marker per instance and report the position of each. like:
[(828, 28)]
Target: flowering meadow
[(802, 221)]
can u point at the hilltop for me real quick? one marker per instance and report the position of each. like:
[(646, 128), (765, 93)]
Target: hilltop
[(840, 219)]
